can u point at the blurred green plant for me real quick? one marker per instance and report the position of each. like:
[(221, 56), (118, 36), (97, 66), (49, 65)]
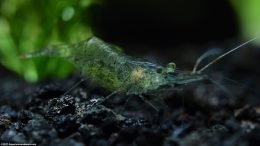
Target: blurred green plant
[(248, 13), (26, 25)]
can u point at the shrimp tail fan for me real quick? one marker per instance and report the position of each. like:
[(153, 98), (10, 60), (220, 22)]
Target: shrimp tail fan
[(61, 50)]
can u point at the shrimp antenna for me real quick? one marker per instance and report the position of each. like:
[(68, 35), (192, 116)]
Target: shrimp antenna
[(208, 53), (228, 52)]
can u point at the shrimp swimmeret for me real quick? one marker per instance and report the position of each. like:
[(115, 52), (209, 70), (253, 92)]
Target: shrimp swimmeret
[(108, 67)]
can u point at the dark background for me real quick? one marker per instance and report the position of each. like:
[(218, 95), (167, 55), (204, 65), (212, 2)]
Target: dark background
[(164, 24)]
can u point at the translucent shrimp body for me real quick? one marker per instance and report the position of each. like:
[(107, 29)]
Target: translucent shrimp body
[(108, 67)]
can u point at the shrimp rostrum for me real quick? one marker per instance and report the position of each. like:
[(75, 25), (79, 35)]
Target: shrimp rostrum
[(108, 67)]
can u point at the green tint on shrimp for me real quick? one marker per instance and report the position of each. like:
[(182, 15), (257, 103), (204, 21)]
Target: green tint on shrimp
[(108, 67)]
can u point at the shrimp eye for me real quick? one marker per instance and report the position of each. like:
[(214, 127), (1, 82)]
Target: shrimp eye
[(170, 67), (159, 70)]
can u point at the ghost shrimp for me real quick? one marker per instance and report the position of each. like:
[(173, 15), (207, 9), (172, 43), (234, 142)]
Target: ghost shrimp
[(108, 67)]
